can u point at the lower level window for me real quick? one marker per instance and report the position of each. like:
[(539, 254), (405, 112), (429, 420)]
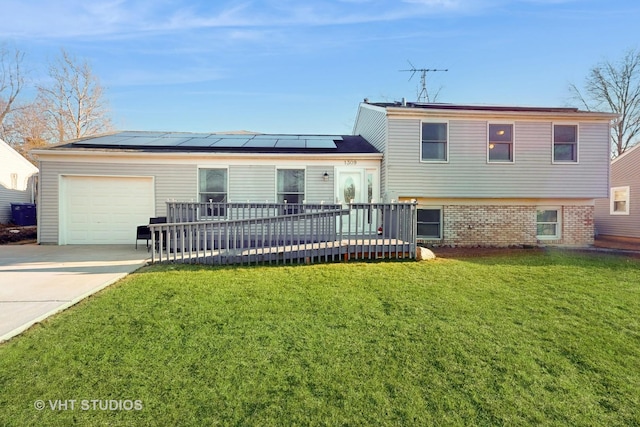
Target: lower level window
[(548, 223), (430, 223)]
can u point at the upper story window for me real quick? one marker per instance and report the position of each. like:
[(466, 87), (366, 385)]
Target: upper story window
[(500, 142), (565, 143), (434, 139), (213, 189), (619, 201), (290, 188)]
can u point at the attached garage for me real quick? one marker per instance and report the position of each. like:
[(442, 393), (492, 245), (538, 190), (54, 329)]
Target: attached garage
[(104, 209)]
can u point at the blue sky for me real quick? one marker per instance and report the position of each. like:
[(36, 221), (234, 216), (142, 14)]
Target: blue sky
[(284, 66)]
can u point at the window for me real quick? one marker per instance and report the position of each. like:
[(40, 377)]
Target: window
[(619, 201), (429, 223), (500, 143), (548, 224), (565, 143), (434, 142), (213, 188), (290, 188), (14, 181)]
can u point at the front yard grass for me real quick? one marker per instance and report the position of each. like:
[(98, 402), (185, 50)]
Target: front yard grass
[(538, 338)]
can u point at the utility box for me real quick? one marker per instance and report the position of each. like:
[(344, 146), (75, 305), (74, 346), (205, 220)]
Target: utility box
[(23, 213)]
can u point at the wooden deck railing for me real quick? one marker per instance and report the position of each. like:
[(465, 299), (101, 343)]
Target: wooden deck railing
[(248, 233)]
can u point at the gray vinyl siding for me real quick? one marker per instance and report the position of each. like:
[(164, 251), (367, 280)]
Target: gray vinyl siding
[(317, 189), (371, 124), (255, 183), (624, 172), (177, 182), (8, 196), (468, 174)]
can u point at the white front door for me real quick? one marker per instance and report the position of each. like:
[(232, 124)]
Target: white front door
[(350, 186), (357, 186)]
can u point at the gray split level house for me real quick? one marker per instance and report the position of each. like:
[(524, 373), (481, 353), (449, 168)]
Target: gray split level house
[(491, 176)]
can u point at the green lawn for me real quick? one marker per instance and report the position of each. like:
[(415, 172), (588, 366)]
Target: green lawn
[(537, 338)]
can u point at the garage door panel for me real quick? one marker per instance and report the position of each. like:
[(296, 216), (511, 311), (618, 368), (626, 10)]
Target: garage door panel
[(105, 209)]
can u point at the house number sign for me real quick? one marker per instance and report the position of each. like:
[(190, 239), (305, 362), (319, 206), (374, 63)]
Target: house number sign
[(350, 162)]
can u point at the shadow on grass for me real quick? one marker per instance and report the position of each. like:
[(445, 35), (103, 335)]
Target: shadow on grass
[(541, 257), (178, 266)]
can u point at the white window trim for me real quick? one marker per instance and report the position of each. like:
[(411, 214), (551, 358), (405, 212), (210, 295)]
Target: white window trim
[(448, 141), (612, 201), (513, 142), (558, 234), (225, 167), (440, 208), (553, 143), (296, 168)]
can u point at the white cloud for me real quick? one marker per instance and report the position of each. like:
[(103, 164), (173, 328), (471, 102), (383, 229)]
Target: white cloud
[(120, 18)]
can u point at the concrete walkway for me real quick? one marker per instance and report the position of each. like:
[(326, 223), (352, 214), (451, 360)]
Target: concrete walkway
[(38, 281)]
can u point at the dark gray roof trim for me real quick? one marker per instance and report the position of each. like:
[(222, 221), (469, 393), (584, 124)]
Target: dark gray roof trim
[(225, 143), (438, 106)]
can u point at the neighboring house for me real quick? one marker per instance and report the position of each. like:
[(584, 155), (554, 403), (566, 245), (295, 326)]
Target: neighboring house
[(97, 190), (492, 176), (17, 180), (619, 214)]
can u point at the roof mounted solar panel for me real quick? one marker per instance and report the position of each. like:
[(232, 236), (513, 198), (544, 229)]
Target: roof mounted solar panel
[(136, 141), (261, 143), (231, 135), (198, 142), (186, 135), (320, 144), (103, 140), (290, 143), (142, 134), (275, 136), (230, 143), (331, 137), (167, 142)]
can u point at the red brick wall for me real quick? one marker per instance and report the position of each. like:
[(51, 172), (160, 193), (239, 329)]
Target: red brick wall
[(493, 225)]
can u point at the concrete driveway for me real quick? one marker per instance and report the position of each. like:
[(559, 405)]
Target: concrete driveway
[(38, 281)]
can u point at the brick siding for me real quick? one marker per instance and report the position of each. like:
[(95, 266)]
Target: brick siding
[(501, 226)]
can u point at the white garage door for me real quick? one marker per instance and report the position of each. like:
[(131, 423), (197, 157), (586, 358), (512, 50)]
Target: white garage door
[(104, 209)]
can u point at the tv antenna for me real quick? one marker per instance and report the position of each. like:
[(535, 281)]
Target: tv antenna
[(423, 94)]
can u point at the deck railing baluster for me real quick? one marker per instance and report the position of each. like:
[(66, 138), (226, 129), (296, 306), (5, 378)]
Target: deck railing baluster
[(290, 233)]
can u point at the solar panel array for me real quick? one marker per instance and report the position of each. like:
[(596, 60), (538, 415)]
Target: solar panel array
[(212, 140)]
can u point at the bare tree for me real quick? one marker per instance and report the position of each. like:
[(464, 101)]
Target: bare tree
[(615, 87), (12, 81), (27, 128), (74, 101)]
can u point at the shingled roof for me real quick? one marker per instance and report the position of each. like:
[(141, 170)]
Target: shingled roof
[(222, 142)]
